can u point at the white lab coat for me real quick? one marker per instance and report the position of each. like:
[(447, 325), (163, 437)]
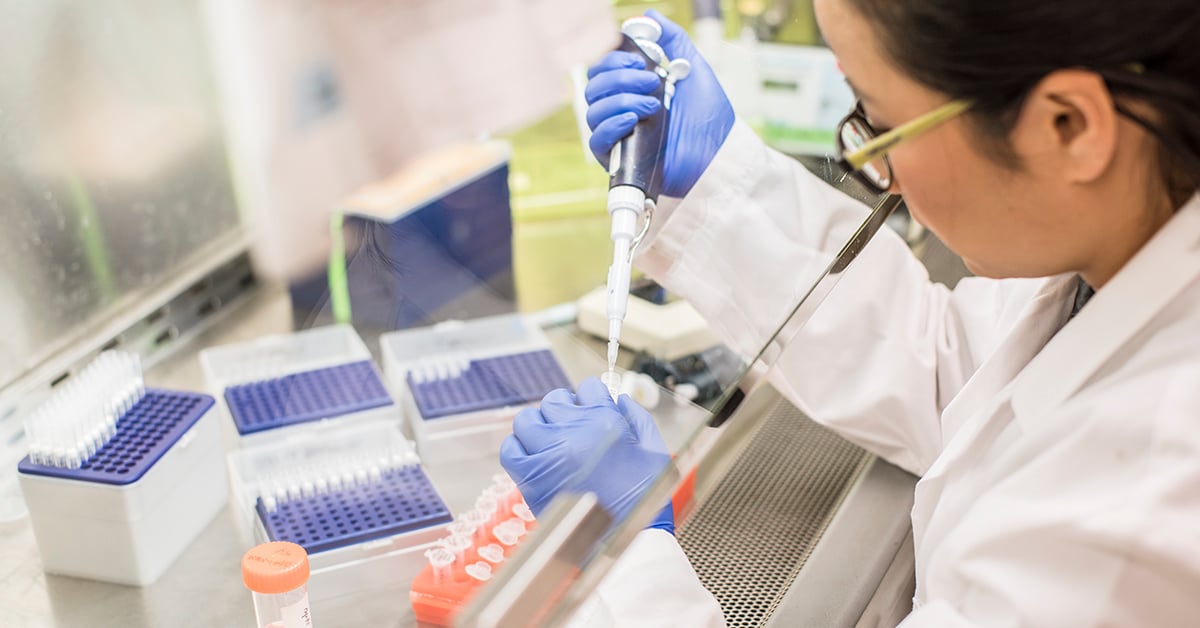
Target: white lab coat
[(1059, 461)]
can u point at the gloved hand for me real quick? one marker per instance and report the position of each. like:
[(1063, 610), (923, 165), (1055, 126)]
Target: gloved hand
[(550, 446), (700, 117)]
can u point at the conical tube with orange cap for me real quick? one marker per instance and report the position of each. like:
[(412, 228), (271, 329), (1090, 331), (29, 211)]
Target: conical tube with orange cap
[(277, 574)]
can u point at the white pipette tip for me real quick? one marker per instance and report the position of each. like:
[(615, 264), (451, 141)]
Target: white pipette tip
[(612, 380), (81, 416)]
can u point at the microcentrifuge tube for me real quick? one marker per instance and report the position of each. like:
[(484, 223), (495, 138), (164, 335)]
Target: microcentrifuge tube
[(517, 525), (489, 507), (505, 497), (462, 528), (502, 479), (440, 560), (523, 512), (506, 534), (458, 545), (477, 519), (479, 570), (492, 553)]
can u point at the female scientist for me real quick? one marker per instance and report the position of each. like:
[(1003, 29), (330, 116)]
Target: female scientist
[(1055, 146)]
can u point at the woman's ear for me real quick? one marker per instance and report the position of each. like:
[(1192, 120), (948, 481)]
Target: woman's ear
[(1068, 126)]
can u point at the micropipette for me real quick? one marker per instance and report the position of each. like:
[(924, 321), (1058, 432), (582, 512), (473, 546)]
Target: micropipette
[(635, 175)]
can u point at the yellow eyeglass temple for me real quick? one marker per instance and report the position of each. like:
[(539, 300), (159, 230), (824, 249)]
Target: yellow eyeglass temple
[(875, 148)]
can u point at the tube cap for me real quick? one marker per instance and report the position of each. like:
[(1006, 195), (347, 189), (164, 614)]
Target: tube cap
[(276, 567)]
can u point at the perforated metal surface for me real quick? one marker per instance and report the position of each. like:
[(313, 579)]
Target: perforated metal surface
[(752, 535)]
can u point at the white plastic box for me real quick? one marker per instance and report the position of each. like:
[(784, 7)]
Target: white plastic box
[(283, 357), (306, 463), (130, 534), (448, 350)]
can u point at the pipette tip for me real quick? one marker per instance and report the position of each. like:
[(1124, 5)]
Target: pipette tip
[(612, 380)]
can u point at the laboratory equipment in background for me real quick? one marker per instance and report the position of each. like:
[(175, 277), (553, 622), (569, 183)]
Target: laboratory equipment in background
[(801, 97), (287, 382), (699, 377), (277, 575), (120, 478), (321, 99), (356, 498), (655, 323), (635, 171), (478, 543), (431, 242), (461, 382), (777, 75)]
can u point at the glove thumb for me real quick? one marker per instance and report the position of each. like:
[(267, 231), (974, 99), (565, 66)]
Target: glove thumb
[(674, 41), (644, 429)]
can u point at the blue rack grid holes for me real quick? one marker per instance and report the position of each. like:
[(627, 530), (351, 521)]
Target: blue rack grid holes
[(144, 434), (306, 396), (487, 383), (401, 500)]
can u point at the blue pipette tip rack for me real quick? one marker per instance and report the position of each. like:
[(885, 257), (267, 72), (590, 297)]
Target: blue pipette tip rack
[(144, 434), (488, 383), (306, 396), (401, 500)]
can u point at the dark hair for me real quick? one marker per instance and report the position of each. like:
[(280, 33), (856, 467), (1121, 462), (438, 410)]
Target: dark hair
[(993, 53)]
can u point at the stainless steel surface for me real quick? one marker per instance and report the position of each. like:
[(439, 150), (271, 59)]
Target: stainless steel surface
[(527, 589), (893, 599), (861, 570), (114, 178), (752, 535)]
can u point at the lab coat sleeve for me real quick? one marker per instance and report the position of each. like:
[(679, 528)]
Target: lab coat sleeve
[(1089, 520), (887, 350), (651, 585)]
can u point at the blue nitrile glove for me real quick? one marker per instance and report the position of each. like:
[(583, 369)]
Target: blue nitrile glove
[(700, 118), (551, 445)]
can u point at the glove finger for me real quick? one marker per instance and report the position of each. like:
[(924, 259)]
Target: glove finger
[(512, 455), (674, 40), (534, 434), (559, 406), (539, 477), (593, 392), (613, 106), (641, 424), (617, 60), (608, 133), (624, 81)]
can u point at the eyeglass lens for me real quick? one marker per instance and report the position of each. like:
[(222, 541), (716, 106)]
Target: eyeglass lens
[(854, 135)]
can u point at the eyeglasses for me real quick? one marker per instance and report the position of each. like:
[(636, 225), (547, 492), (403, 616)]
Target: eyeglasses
[(864, 150)]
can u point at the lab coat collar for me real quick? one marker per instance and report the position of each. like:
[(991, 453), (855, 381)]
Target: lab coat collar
[(1163, 268)]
